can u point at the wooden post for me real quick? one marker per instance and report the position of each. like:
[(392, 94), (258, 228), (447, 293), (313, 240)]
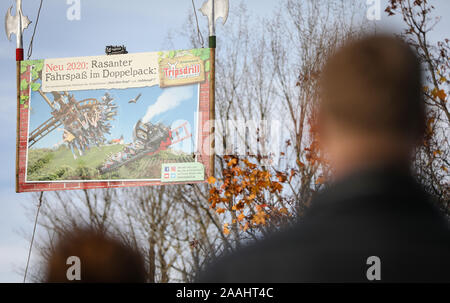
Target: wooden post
[(212, 103), (17, 124)]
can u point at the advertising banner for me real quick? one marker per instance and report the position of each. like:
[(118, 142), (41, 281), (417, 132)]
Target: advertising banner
[(114, 121)]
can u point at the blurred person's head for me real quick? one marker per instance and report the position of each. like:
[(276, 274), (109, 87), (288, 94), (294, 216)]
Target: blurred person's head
[(371, 109), (103, 259)]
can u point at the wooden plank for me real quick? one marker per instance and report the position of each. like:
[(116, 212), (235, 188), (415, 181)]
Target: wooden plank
[(212, 109), (17, 124)]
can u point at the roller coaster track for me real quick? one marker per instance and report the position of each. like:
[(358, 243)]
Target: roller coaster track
[(43, 130), (87, 103), (51, 124), (180, 134)]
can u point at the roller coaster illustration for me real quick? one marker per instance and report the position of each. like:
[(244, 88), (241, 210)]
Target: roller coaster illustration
[(87, 122), (148, 139)]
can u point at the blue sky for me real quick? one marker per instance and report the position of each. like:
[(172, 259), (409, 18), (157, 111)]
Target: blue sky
[(142, 26)]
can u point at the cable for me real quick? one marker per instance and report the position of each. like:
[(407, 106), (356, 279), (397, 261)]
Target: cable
[(30, 47), (32, 237), (199, 33)]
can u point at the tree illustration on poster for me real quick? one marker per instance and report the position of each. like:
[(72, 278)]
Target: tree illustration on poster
[(30, 70)]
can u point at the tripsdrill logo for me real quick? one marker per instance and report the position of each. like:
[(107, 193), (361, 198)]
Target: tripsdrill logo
[(190, 71)]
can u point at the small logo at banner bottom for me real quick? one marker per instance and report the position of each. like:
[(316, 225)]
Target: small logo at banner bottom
[(182, 172)]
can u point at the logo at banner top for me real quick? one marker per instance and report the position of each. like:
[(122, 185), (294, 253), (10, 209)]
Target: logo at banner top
[(181, 71)]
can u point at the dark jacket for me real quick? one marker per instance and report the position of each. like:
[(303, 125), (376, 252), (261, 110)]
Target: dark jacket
[(382, 213)]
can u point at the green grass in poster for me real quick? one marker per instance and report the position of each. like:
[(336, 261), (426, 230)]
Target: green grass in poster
[(60, 165)]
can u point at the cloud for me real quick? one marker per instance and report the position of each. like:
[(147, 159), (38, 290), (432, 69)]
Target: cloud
[(169, 99)]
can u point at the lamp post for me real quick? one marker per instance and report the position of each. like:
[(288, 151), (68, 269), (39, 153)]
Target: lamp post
[(213, 10), (16, 25)]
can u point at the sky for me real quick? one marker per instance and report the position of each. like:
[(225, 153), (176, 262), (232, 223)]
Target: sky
[(141, 25)]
